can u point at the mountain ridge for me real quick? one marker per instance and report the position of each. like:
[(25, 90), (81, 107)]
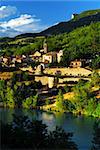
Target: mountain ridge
[(69, 26), (83, 19)]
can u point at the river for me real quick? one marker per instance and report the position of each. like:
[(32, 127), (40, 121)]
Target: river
[(81, 126)]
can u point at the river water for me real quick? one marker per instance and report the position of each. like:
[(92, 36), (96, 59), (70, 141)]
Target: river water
[(81, 126)]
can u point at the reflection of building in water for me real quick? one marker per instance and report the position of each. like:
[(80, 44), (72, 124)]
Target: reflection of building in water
[(46, 116), (49, 120), (60, 118)]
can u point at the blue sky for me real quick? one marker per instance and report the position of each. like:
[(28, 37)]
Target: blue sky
[(17, 17)]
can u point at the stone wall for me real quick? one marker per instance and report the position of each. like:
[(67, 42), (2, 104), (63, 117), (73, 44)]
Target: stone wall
[(68, 71), (43, 79)]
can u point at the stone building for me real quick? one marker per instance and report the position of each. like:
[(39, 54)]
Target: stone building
[(59, 56), (52, 82), (50, 57), (39, 70), (37, 56), (45, 47), (77, 63)]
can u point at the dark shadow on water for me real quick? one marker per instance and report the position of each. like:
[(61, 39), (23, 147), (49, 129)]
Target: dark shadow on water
[(23, 133)]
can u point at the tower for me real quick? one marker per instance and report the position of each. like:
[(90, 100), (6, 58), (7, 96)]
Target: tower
[(74, 16), (45, 46)]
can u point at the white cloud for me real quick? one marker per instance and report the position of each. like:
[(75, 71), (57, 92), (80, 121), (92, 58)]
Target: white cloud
[(6, 11), (23, 24), (17, 22), (8, 33)]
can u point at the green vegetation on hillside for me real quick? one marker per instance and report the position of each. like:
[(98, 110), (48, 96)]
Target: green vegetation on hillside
[(18, 92), (87, 13), (83, 42), (78, 38), (84, 100)]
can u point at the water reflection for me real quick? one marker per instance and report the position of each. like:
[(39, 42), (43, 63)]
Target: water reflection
[(6, 115), (81, 126)]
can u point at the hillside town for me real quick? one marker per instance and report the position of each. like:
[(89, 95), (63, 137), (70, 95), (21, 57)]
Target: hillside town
[(43, 57), (44, 66)]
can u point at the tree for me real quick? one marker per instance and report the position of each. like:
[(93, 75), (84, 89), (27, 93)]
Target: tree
[(30, 102), (81, 95), (95, 64), (47, 102), (60, 101), (10, 97), (91, 106), (3, 92), (97, 110), (95, 79)]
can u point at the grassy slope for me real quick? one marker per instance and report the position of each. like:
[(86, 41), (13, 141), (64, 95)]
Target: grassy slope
[(88, 13), (67, 96)]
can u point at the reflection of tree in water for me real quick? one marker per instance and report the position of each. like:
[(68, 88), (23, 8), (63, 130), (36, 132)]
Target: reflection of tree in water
[(32, 114), (6, 115), (60, 118), (24, 133), (96, 136)]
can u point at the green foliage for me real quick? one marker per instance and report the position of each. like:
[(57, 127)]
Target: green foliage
[(22, 92), (95, 64), (97, 110), (95, 79), (10, 98), (60, 101), (66, 88), (91, 106), (6, 94), (35, 100), (30, 102), (84, 100), (87, 13), (27, 102), (82, 42), (18, 46), (82, 94), (2, 90), (19, 94), (69, 106), (47, 102)]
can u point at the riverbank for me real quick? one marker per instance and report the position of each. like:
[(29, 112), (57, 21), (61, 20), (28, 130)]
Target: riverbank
[(52, 108)]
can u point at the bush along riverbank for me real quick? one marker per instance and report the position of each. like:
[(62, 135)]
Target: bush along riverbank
[(84, 100)]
